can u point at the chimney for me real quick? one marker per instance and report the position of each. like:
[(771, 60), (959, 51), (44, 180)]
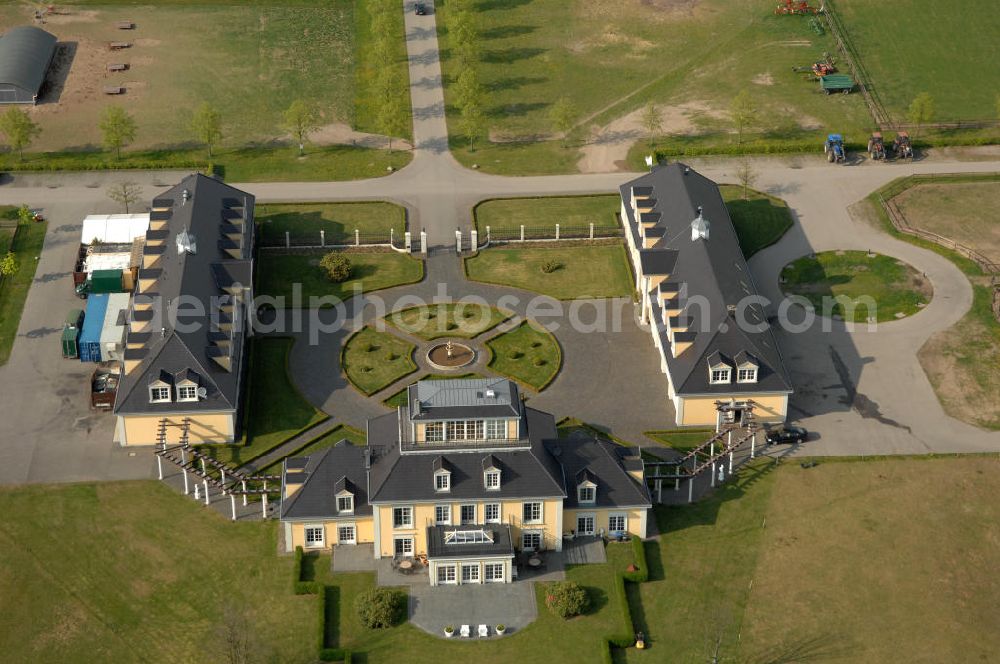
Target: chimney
[(185, 196)]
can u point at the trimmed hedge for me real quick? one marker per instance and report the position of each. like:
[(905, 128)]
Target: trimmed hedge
[(641, 575), (301, 587)]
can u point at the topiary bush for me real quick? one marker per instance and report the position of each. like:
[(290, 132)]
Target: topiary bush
[(548, 267), (336, 266), (379, 608), (566, 599)]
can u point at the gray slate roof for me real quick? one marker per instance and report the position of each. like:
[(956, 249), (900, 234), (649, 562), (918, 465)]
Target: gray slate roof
[(195, 276), (502, 545), (25, 54), (714, 269), (324, 474), (604, 464), (463, 398)]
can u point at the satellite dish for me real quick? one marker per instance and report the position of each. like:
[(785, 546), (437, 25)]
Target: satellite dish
[(202, 393)]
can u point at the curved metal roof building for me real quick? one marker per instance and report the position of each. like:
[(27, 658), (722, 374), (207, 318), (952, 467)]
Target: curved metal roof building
[(25, 55)]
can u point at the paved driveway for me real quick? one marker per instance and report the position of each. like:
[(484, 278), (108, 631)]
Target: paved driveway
[(510, 604)]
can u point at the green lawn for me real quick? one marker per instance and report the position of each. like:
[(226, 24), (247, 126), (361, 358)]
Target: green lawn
[(279, 272), (927, 60), (367, 64), (547, 211), (760, 220), (341, 432), (584, 271), (373, 360), (276, 410), (466, 320), (682, 440), (27, 246), (609, 61), (548, 639), (526, 354), (852, 277), (107, 572), (304, 221)]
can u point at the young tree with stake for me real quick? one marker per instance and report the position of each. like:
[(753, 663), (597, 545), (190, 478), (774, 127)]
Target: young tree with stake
[(563, 115), (125, 193), (118, 128), (19, 130), (301, 119), (744, 113), (921, 110), (652, 121), (207, 125)]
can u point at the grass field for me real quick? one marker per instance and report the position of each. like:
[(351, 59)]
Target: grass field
[(26, 246), (760, 220), (682, 440), (967, 212), (304, 221), (896, 289), (262, 55), (610, 59), (107, 572), (278, 273), (530, 356), (547, 211), (913, 46), (373, 360), (465, 320), (584, 271)]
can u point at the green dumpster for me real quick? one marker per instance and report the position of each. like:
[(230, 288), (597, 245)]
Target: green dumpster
[(106, 281), (71, 334)]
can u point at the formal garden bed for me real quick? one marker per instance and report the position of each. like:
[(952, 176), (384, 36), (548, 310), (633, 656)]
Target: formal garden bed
[(857, 285), (564, 271), (464, 320), (373, 360), (526, 354)]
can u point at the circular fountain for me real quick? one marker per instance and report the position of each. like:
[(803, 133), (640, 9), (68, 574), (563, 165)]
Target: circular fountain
[(450, 355)]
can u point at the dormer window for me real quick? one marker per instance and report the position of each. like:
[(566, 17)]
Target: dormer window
[(442, 481), (492, 480), (747, 375), (586, 493), (746, 368), (187, 393), (345, 503), (720, 375), (159, 394)]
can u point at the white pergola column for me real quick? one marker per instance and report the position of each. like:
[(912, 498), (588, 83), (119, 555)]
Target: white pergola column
[(206, 491), (232, 504)]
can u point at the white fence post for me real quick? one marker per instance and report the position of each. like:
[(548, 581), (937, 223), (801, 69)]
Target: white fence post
[(474, 242), (557, 231), (488, 236), (423, 242), (407, 240), (288, 242), (522, 232), (322, 238), (458, 240), (591, 230), (357, 238), (392, 236)]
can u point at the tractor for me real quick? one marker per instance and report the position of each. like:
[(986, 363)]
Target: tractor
[(834, 148), (792, 7), (901, 146), (876, 148)]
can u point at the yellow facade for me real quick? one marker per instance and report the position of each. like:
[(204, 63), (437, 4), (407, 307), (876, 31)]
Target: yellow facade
[(203, 428), (635, 520), (701, 411), (364, 532)]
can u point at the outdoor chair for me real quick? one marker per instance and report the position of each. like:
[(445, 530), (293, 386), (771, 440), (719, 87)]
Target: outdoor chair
[(484, 631), (466, 631)]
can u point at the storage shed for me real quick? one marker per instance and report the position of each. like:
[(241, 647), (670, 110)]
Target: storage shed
[(25, 55), (114, 228), (113, 330), (93, 324)]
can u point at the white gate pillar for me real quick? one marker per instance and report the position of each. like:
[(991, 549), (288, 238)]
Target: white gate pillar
[(423, 242), (458, 240)]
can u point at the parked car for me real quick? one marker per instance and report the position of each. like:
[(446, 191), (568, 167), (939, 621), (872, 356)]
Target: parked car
[(419, 8), (786, 434)]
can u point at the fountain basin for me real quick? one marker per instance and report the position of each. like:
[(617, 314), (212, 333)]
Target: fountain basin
[(438, 356)]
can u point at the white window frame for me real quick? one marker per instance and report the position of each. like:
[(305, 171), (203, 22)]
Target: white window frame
[(541, 511), (405, 553), (724, 375), (746, 375), (434, 432), (471, 567), (532, 533), (586, 487), (409, 510), (345, 510), (314, 544), (354, 530), (618, 515), (486, 513), (157, 389), (490, 569), (446, 568), (495, 475), (445, 486), (496, 429), (187, 392), (461, 514), (447, 514), (593, 523)]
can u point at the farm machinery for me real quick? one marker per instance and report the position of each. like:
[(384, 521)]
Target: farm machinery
[(795, 7), (901, 146), (819, 69), (834, 148), (876, 148)]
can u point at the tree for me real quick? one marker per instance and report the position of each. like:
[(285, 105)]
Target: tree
[(8, 264), (652, 121), (464, 36), (468, 89), (744, 112), (207, 125), (380, 607), (563, 116), (125, 193), (566, 599), (747, 176), (118, 128), (19, 129), (337, 266), (391, 118), (25, 215), (471, 123), (301, 119), (921, 110)]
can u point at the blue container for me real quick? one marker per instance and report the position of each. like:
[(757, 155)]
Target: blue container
[(93, 322)]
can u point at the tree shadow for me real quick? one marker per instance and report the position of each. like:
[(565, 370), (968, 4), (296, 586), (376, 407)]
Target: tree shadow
[(505, 31), (491, 5), (522, 108), (514, 82), (506, 56), (597, 598)]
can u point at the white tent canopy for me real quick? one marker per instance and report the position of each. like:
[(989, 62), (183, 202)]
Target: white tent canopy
[(114, 228)]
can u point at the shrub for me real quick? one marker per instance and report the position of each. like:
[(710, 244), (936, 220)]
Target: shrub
[(391, 356), (337, 266), (548, 267), (566, 599), (379, 607), (516, 355), (541, 362)]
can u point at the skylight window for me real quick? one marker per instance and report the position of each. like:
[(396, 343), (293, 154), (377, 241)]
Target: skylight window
[(468, 537)]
